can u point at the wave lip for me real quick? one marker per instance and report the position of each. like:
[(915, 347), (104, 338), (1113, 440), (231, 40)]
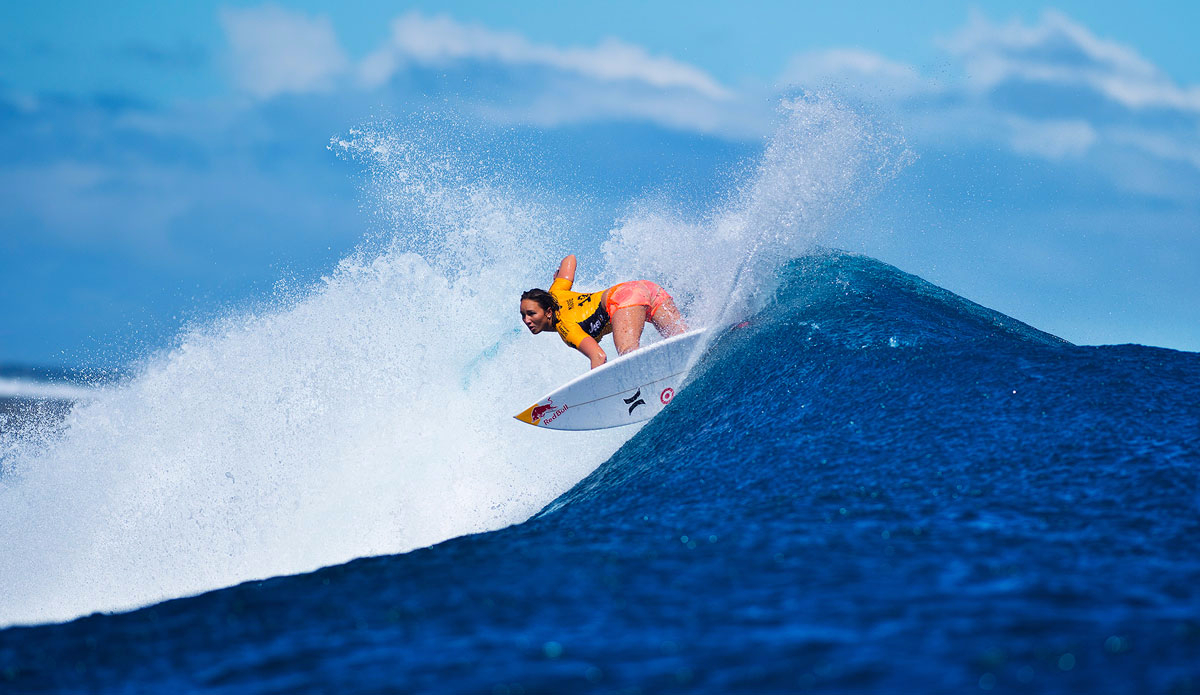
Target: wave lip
[(858, 298)]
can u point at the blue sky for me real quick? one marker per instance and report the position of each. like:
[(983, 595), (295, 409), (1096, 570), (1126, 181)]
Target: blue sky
[(161, 162)]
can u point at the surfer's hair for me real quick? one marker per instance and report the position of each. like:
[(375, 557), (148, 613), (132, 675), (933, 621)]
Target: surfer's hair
[(543, 298)]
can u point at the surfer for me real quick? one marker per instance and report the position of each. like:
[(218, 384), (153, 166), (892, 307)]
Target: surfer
[(583, 318)]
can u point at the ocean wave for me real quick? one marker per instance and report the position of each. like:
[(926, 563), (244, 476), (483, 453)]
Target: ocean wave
[(873, 485), (370, 413)]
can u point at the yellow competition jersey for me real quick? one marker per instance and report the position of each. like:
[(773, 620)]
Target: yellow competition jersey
[(579, 315)]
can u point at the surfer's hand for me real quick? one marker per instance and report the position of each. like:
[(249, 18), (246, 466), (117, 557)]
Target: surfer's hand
[(566, 269), (598, 360)]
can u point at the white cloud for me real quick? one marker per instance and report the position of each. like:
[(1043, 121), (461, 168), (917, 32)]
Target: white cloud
[(276, 51), (442, 40), (1159, 145), (1052, 89), (1053, 140), (1060, 91), (856, 69), (576, 102), (1058, 51)]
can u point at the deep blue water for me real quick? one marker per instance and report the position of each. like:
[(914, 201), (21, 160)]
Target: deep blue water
[(876, 486)]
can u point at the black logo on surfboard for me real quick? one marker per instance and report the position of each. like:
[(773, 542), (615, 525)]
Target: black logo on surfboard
[(635, 400)]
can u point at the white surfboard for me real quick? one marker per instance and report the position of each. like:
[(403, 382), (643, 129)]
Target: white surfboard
[(631, 388)]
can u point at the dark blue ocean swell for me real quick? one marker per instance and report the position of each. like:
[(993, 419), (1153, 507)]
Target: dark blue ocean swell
[(876, 486)]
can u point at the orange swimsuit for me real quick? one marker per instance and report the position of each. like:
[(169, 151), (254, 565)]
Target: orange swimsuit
[(636, 293), (581, 314)]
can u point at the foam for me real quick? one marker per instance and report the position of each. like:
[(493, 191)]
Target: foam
[(352, 419), (371, 412), (822, 160)]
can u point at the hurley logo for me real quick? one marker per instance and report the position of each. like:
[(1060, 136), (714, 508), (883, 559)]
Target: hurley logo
[(634, 401)]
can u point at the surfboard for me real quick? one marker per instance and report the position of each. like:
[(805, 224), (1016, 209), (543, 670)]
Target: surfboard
[(631, 388)]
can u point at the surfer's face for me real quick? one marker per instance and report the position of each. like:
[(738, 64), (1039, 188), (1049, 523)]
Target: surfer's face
[(535, 317)]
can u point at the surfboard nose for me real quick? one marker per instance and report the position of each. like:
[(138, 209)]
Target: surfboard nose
[(526, 415)]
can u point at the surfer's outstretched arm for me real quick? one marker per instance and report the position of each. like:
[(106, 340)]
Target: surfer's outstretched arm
[(589, 347), (566, 269)]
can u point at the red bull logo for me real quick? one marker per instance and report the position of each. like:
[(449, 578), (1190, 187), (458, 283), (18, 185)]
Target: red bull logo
[(540, 410), (542, 413), (555, 414)]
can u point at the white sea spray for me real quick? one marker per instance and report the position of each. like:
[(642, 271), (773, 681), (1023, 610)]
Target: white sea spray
[(370, 413)]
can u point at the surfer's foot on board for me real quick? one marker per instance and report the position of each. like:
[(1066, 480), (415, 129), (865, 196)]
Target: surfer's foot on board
[(668, 320)]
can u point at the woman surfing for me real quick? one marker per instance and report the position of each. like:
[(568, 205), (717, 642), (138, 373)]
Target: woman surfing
[(582, 319)]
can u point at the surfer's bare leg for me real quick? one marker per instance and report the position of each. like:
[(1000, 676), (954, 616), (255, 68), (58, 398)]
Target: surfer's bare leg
[(627, 325), (668, 320)]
